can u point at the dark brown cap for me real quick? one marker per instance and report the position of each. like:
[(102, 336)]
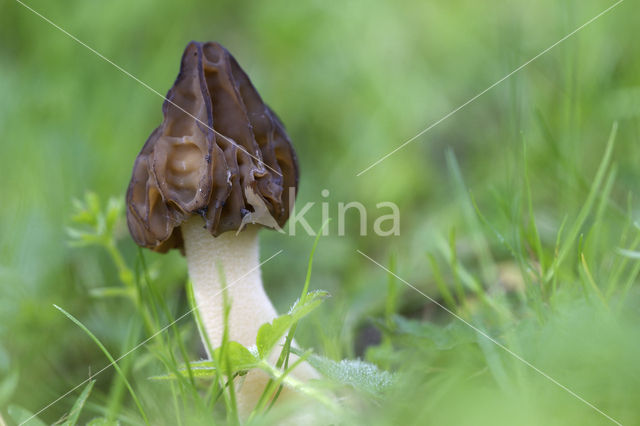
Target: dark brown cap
[(220, 153)]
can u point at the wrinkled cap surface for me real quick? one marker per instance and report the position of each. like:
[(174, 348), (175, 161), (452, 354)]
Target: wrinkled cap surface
[(220, 153)]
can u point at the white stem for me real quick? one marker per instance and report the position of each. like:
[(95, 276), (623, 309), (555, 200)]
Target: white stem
[(238, 256)]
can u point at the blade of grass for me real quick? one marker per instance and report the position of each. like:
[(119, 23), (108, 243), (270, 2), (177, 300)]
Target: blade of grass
[(280, 379), (285, 377), (633, 275), (156, 299), (591, 282), (598, 222), (391, 301), (453, 264), (117, 388), (537, 243), (616, 276), (480, 244), (74, 414), (443, 288), (466, 278), (588, 205), (111, 360), (501, 238), (207, 342), (151, 298), (555, 265)]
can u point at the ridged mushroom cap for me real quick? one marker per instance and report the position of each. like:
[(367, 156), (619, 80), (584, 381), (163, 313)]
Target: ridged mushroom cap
[(220, 153)]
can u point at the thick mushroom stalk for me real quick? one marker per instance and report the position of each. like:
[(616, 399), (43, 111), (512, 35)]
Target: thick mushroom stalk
[(238, 256), (219, 167)]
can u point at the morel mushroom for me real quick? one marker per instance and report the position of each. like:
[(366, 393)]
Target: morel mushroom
[(218, 168)]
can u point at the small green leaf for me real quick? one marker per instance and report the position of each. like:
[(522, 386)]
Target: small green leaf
[(92, 202), (84, 218), (77, 406), (94, 226), (240, 357), (312, 301), (358, 374), (270, 333), (114, 209)]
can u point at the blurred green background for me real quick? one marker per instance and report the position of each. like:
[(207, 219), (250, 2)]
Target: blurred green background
[(351, 81)]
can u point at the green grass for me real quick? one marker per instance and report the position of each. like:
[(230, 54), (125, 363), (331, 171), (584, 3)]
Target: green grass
[(519, 213)]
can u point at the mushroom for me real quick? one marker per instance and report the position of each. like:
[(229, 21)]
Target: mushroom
[(219, 167)]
